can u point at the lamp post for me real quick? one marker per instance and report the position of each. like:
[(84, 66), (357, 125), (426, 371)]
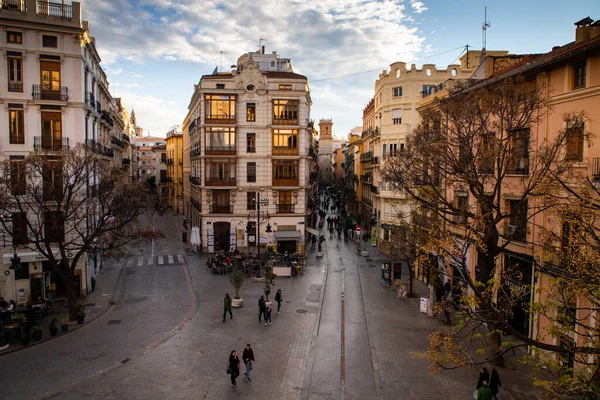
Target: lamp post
[(15, 261), (264, 202)]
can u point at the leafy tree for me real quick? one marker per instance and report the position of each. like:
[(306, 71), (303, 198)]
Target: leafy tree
[(68, 204)]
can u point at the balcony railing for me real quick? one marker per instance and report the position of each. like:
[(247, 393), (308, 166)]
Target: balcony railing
[(366, 156), (91, 99), (366, 179), (193, 125), (46, 92), (196, 204), (117, 142), (57, 10), (50, 143), (98, 107), (195, 152), (284, 208), (225, 150), (285, 121), (52, 193), (250, 149), (15, 87), (285, 182), (125, 137), (126, 161), (284, 150), (220, 181), (100, 149), (107, 118), (14, 5), (219, 209), (195, 180), (596, 168), (376, 160), (219, 119), (169, 161)]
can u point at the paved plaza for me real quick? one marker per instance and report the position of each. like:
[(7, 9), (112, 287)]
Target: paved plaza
[(340, 335)]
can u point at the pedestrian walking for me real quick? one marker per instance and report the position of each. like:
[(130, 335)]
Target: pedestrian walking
[(233, 368), (495, 383), (278, 299), (268, 316), (261, 308), (484, 376), (248, 358), (448, 289), (227, 306), (484, 392)]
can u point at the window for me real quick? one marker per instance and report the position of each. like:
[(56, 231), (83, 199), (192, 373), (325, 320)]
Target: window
[(251, 201), (251, 231), (143, 162), (54, 227), (250, 142), (285, 172), (251, 112), (18, 175), (397, 116), (285, 141), (14, 37), (519, 162), (575, 143), (383, 153), (285, 87), (17, 133), (397, 91), (220, 172), (51, 131), (462, 206), (571, 239), (220, 140), (50, 75), (427, 89), (163, 176), (219, 107), (220, 86), (486, 154), (49, 41), (285, 112), (53, 180), (579, 74), (149, 172), (517, 228), (15, 74), (251, 168), (221, 201), (19, 228)]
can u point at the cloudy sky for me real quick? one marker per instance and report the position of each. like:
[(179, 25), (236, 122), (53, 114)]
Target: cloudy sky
[(154, 51)]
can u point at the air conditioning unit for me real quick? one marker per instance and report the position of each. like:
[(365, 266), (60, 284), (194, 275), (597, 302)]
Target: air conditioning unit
[(512, 229)]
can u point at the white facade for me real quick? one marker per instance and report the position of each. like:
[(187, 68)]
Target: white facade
[(249, 148)]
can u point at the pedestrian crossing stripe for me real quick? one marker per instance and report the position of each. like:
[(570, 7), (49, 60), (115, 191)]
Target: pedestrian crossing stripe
[(180, 258), (150, 260), (160, 260), (170, 259)]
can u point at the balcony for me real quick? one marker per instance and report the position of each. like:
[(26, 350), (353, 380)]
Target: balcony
[(219, 119), (170, 161), (126, 162), (100, 149), (375, 160), (596, 169), (117, 142), (284, 208), (56, 10), (286, 182), (285, 120), (52, 193), (98, 107), (368, 156), (195, 152), (366, 179), (105, 117), (195, 180), (225, 150), (422, 220), (14, 5), (15, 87), (220, 181), (221, 209), (284, 151), (196, 204), (50, 144), (45, 92), (250, 149), (193, 125), (125, 137)]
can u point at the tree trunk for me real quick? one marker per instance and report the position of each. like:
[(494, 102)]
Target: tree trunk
[(71, 296), (410, 280), (496, 345)]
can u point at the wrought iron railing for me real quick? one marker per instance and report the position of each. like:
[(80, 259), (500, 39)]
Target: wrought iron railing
[(221, 209), (195, 180), (228, 149), (47, 92), (14, 5), (196, 204), (50, 143), (57, 10), (285, 208), (117, 142), (596, 168), (220, 181), (126, 161), (15, 87)]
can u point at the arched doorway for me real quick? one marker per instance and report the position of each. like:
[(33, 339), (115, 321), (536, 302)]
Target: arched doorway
[(221, 236)]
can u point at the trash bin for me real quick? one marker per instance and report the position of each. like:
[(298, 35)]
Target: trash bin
[(184, 237)]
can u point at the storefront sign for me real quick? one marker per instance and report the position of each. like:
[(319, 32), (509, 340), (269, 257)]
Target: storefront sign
[(423, 305)]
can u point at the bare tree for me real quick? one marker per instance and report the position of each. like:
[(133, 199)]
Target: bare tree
[(470, 150), (70, 203)]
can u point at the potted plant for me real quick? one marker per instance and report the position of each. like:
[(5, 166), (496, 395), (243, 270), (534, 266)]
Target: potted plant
[(65, 323), (37, 331), (80, 313), (237, 280), (23, 329), (53, 329), (269, 282)]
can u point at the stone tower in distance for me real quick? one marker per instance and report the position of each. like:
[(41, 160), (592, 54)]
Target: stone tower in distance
[(325, 145), (325, 131)]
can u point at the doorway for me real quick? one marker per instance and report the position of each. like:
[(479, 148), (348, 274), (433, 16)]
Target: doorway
[(221, 236)]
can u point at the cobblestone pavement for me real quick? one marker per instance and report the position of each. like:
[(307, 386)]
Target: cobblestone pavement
[(340, 335)]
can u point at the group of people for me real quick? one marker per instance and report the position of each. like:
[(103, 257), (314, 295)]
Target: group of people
[(449, 291), (264, 310), (488, 384), (7, 310)]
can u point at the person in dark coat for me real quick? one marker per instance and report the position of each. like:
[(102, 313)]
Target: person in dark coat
[(278, 299), (484, 376), (439, 292), (447, 288), (227, 306), (261, 308), (268, 316), (494, 381), (234, 366), (248, 359)]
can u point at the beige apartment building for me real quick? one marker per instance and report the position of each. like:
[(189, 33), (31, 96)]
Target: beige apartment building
[(174, 151), (250, 136), (160, 172), (54, 95), (146, 159)]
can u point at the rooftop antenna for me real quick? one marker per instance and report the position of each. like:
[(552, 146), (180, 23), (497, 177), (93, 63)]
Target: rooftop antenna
[(221, 59), (260, 46), (484, 26)]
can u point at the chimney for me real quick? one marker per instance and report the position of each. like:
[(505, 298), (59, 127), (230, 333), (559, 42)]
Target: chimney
[(263, 50), (583, 29)]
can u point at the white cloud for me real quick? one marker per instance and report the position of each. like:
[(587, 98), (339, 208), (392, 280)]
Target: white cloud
[(146, 107), (324, 39)]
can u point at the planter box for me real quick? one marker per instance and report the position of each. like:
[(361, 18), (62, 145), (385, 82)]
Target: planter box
[(282, 271), (237, 303)]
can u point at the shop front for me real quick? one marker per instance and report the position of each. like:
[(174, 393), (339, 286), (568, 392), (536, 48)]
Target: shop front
[(517, 281), (288, 241)]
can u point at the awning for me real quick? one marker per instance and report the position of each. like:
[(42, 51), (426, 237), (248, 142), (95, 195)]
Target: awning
[(287, 235), (312, 231), (29, 257)]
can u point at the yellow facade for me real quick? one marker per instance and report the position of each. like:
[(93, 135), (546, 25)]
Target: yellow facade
[(175, 169)]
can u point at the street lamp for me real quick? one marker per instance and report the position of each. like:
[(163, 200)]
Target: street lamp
[(15, 261)]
